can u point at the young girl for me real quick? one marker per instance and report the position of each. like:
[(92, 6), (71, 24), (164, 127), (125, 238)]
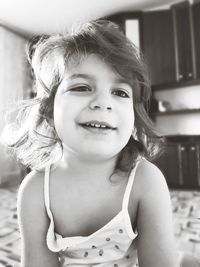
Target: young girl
[(93, 198)]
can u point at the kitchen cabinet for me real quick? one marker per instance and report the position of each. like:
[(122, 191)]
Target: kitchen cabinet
[(170, 40), (184, 41), (189, 161), (168, 163), (180, 163), (196, 25), (158, 46)]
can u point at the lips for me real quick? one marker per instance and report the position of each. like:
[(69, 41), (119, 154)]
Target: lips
[(101, 125)]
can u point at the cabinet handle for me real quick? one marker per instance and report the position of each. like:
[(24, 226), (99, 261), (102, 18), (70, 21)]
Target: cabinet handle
[(190, 75), (182, 148), (192, 148)]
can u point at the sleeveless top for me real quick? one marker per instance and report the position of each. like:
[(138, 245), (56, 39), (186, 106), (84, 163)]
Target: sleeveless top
[(112, 245)]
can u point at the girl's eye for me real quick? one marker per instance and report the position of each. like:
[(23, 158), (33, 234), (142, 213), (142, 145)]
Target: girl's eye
[(81, 88), (121, 93)]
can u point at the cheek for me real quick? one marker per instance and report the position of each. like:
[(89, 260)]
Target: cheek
[(131, 120), (130, 116), (62, 108), (127, 123), (131, 123), (61, 119)]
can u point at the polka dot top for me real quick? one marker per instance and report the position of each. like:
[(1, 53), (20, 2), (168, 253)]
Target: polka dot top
[(112, 245)]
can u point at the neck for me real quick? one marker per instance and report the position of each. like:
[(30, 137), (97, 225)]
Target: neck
[(77, 165)]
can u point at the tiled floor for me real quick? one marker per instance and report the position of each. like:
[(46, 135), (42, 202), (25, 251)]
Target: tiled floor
[(186, 212), (9, 234)]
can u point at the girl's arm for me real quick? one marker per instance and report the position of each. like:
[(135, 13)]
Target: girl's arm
[(156, 244), (33, 223)]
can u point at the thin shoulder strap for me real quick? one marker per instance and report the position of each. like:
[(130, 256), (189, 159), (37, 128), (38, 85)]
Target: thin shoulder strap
[(52, 242), (129, 187), (46, 190)]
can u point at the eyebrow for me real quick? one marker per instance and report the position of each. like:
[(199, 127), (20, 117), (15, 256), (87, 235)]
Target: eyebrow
[(91, 77), (80, 75)]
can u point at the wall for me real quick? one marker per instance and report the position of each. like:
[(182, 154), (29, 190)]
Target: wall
[(179, 99), (13, 82)]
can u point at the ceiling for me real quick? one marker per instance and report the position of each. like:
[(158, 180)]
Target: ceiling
[(30, 17)]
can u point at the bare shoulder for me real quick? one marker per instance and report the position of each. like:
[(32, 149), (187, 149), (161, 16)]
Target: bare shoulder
[(149, 180), (149, 190), (32, 185), (147, 169), (30, 195)]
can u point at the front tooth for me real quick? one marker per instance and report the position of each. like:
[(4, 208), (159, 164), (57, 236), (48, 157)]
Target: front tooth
[(103, 126), (97, 125), (92, 124)]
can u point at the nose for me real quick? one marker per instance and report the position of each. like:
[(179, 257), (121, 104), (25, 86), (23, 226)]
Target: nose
[(101, 102)]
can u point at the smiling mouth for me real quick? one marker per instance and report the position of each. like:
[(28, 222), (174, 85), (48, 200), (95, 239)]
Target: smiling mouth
[(98, 125)]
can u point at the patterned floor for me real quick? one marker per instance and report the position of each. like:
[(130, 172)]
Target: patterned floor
[(186, 212), (9, 234)]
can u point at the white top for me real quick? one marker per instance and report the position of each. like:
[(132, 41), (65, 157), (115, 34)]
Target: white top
[(111, 245)]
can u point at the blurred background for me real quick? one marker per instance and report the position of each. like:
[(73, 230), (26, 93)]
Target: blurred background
[(168, 33)]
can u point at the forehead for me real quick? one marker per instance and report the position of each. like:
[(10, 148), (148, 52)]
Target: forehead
[(91, 65)]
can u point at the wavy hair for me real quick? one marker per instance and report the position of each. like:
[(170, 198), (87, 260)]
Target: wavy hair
[(34, 139)]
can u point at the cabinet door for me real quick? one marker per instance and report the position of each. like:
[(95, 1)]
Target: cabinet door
[(184, 41), (158, 46), (189, 165), (198, 164), (169, 164), (196, 26)]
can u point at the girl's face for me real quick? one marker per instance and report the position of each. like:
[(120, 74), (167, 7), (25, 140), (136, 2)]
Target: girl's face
[(93, 110)]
